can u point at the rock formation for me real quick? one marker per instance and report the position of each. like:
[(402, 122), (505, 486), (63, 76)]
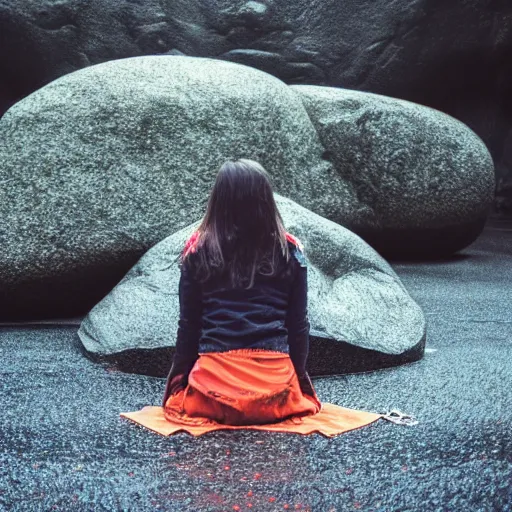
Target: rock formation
[(99, 165), (361, 315), (450, 55)]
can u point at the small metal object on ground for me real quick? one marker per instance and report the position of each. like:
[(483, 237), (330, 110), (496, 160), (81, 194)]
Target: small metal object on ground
[(400, 418)]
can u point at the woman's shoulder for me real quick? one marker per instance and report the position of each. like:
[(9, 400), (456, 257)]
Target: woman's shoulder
[(191, 244), (296, 249), (294, 241), (188, 256), (295, 246)]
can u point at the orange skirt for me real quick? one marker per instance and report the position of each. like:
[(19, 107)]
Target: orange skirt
[(247, 389)]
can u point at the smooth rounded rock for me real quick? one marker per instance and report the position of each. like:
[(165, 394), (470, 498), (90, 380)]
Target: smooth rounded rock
[(426, 179), (361, 315), (99, 165)]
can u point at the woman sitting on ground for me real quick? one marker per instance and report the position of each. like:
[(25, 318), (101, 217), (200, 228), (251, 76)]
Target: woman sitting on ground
[(243, 333)]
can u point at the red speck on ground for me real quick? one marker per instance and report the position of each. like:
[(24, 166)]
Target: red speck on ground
[(298, 506), (249, 505), (250, 493), (228, 452), (213, 497), (172, 454), (131, 473), (271, 499), (404, 467), (236, 507), (227, 468), (349, 470), (357, 504), (257, 476), (286, 506)]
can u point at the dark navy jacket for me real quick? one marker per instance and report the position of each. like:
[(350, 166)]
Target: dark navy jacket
[(214, 317)]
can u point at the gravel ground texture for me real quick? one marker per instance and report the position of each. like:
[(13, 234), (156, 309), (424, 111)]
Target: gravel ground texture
[(64, 447)]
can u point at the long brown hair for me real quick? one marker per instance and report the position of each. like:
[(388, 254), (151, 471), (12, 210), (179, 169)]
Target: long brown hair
[(242, 231)]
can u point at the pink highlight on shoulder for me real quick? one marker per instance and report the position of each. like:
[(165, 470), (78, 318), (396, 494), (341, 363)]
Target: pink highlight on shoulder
[(191, 243), (294, 240)]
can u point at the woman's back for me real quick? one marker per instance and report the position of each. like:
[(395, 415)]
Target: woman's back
[(256, 318), (243, 332)]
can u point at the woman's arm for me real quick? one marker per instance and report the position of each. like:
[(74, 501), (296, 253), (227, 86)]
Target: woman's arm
[(188, 335), (297, 323)]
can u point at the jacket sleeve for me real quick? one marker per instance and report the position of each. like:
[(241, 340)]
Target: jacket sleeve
[(188, 335), (297, 321)]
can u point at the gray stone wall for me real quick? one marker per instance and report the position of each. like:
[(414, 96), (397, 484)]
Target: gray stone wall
[(450, 55)]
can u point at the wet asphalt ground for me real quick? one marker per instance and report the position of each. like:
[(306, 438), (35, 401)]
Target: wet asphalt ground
[(64, 447)]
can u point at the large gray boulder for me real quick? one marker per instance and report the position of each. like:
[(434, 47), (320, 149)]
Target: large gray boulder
[(361, 315), (99, 165), (451, 55), (426, 179)]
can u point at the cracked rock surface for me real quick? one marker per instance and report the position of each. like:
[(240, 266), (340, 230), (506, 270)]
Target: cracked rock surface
[(426, 179)]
